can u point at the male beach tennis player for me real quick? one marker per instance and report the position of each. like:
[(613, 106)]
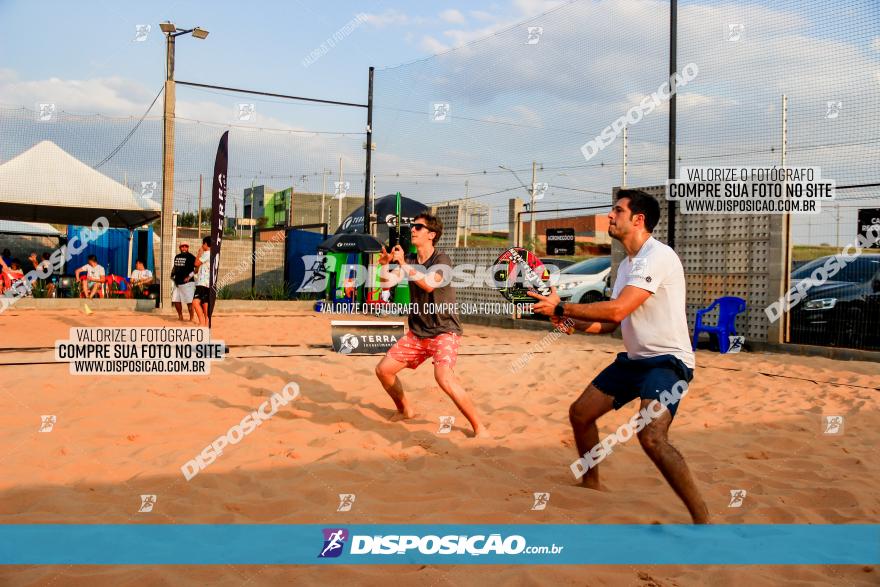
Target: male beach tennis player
[(432, 333), (648, 303)]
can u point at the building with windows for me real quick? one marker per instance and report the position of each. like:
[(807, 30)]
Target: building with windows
[(255, 201), (287, 206)]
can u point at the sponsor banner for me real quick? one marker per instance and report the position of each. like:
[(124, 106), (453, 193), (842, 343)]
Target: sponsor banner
[(560, 241), (218, 214), (868, 217), (364, 337), (439, 544)]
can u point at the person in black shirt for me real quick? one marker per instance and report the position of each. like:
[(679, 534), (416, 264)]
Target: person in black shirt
[(436, 335), (184, 284)]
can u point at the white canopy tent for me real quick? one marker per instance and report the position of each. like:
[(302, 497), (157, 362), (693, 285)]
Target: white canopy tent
[(28, 229), (48, 184)]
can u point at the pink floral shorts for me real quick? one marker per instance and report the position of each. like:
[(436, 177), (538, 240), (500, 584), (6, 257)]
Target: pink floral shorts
[(412, 350)]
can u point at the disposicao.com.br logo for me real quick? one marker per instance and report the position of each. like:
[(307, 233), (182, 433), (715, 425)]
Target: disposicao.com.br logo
[(334, 540)]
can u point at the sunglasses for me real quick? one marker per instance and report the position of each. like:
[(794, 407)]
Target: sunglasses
[(418, 226)]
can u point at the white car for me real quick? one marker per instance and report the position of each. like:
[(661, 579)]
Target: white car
[(583, 282)]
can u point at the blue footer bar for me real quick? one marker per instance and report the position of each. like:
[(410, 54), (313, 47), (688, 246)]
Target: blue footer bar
[(528, 544)]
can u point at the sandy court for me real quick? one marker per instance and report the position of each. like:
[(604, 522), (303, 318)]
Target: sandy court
[(750, 421)]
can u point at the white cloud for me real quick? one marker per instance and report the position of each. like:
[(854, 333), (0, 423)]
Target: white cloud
[(519, 11), (453, 16), (482, 15), (113, 96), (432, 45), (528, 8), (778, 55), (521, 115), (686, 101), (875, 44), (389, 17), (693, 100), (116, 96)]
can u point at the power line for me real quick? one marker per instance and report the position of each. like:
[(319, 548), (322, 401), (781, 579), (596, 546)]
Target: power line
[(562, 187), (272, 95), (132, 131)]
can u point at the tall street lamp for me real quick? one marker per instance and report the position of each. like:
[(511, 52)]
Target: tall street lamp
[(165, 253)]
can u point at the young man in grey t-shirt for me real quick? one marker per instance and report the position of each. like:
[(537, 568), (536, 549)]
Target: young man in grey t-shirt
[(434, 327)]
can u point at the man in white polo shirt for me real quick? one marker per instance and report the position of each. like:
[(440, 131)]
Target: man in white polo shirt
[(95, 277), (648, 303)]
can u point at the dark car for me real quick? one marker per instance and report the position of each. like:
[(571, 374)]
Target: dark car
[(843, 311)]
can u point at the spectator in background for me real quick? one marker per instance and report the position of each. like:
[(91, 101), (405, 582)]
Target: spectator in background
[(45, 266), (203, 281), (184, 286), (140, 279), (9, 273), (6, 257), (94, 277)]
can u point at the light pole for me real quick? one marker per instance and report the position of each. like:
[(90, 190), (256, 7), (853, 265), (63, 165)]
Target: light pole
[(324, 173), (531, 192), (253, 202), (165, 252)]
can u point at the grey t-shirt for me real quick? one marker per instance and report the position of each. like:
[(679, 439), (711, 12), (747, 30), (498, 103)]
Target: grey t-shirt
[(424, 320)]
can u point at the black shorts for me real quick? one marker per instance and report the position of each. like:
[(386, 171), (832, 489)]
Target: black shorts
[(202, 292), (626, 379)]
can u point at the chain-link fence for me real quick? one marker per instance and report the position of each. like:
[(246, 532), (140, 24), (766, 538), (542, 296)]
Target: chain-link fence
[(531, 112), (788, 83)]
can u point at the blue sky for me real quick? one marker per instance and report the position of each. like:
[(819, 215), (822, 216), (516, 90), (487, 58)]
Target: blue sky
[(256, 45), (511, 102)]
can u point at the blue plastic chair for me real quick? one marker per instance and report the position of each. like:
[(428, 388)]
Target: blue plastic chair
[(728, 308)]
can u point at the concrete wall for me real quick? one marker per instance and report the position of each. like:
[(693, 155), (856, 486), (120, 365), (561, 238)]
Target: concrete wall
[(237, 261), (727, 255), (452, 218), (481, 258)]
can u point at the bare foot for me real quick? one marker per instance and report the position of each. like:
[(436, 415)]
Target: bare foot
[(481, 433), (407, 414)]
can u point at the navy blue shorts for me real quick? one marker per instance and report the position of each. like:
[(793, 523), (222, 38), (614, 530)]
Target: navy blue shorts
[(626, 379)]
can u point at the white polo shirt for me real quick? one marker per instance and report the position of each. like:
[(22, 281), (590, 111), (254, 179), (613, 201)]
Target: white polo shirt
[(659, 326), (95, 273), (140, 274)]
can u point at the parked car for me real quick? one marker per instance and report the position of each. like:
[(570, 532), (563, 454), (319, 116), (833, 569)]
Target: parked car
[(558, 263), (843, 311), (584, 281)]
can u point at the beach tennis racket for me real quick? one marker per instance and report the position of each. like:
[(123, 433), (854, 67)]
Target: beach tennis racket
[(518, 271)]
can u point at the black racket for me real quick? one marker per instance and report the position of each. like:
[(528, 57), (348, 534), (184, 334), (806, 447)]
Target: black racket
[(518, 271)]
